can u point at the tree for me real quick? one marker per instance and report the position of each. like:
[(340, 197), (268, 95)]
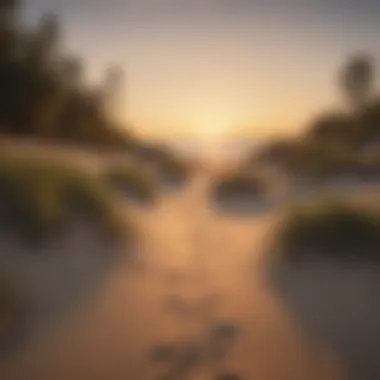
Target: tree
[(48, 35), (110, 88), (42, 45), (71, 73), (42, 91), (357, 80), (8, 11), (369, 121), (114, 77), (332, 129), (8, 14)]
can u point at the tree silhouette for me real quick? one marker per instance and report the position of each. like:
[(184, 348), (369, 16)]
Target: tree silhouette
[(8, 10), (332, 129), (357, 79), (42, 90)]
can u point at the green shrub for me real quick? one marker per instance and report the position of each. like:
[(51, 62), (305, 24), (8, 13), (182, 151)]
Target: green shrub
[(300, 158), (313, 160), (132, 180), (333, 129), (330, 165), (240, 184), (174, 170), (329, 230), (38, 199), (164, 162), (276, 152), (12, 310)]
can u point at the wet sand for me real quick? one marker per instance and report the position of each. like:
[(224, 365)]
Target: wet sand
[(199, 290)]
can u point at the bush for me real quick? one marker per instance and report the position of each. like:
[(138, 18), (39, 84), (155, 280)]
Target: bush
[(318, 163), (333, 130), (132, 180), (43, 91), (275, 152), (240, 184), (38, 200), (330, 165), (329, 230), (315, 161), (12, 311), (167, 165), (173, 170), (299, 159)]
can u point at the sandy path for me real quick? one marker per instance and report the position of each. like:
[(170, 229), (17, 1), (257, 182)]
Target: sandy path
[(196, 269)]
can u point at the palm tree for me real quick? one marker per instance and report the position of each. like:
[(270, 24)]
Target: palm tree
[(357, 80)]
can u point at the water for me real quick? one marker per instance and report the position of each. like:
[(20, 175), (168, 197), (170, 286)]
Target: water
[(198, 288)]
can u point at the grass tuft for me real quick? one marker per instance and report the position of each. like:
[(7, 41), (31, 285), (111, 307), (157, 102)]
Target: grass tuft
[(12, 310), (39, 199), (330, 230), (133, 181), (240, 184)]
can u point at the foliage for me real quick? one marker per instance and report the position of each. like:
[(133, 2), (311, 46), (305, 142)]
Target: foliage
[(275, 152), (132, 180), (318, 162), (167, 165), (335, 143), (357, 79), (369, 123), (360, 128), (333, 130), (329, 229), (43, 91), (39, 200), (240, 184), (12, 309)]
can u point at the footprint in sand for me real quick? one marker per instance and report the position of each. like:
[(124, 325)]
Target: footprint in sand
[(224, 332), (205, 307), (174, 278), (209, 305), (189, 357), (163, 353), (222, 337), (229, 376), (182, 357), (178, 306)]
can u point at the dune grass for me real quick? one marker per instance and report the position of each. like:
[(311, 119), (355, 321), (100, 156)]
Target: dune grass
[(317, 162), (167, 165), (133, 181), (7, 312), (330, 230), (277, 151), (12, 310), (39, 198), (174, 170), (240, 184), (334, 165), (170, 168)]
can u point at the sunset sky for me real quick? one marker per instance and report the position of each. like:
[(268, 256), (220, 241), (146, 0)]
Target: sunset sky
[(205, 68)]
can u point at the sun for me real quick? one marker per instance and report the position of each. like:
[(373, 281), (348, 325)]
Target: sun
[(211, 127)]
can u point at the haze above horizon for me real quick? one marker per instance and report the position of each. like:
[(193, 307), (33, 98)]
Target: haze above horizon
[(208, 69)]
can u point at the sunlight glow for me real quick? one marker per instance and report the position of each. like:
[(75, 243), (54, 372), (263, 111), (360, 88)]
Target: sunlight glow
[(214, 125)]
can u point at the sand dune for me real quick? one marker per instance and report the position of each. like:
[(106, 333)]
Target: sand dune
[(199, 274)]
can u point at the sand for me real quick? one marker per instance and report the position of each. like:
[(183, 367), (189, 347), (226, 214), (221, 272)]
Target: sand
[(199, 287)]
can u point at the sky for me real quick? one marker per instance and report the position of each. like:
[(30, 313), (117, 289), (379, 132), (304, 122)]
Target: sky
[(219, 68)]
